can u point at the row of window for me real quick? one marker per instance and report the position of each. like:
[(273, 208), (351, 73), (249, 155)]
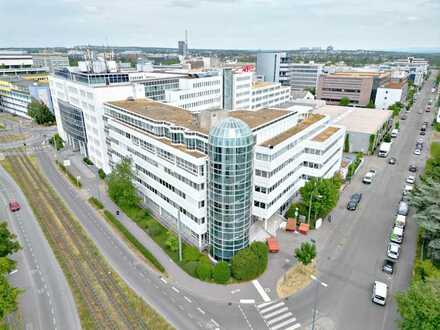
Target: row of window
[(201, 102), (199, 94), (206, 83), (161, 181), (197, 186)]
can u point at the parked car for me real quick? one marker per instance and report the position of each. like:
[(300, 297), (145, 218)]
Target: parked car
[(352, 205), (403, 208), (356, 197), (403, 117), (422, 133), (420, 140), (388, 266), (408, 188), (14, 206), (380, 290), (411, 179), (369, 176), (419, 146), (400, 221), (392, 161), (417, 152), (393, 250), (396, 235), (412, 168)]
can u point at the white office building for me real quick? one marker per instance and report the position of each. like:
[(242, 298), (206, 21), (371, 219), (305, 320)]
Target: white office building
[(279, 67), (169, 149), (266, 94), (391, 93)]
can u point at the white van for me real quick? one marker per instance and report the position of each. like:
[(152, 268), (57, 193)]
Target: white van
[(397, 235), (379, 293), (394, 133), (400, 221)]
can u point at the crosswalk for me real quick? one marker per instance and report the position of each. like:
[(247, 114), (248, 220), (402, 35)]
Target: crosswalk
[(276, 315)]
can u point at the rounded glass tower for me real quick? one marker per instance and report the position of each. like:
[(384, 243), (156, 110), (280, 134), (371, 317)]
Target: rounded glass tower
[(230, 151)]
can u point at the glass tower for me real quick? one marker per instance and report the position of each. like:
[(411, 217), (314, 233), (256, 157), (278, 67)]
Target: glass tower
[(230, 152)]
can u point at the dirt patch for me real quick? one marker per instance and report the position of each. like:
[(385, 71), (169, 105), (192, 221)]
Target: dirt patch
[(295, 279), (436, 136), (6, 138)]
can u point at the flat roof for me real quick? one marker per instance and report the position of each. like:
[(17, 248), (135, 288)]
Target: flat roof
[(262, 84), (310, 120), (359, 74), (325, 134), (361, 120), (158, 111), (394, 85)]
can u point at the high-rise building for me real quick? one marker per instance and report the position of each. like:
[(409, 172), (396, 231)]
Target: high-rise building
[(183, 48), (230, 173), (279, 67)]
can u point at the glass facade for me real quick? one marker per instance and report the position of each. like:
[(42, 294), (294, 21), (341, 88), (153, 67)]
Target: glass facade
[(72, 119), (230, 153)]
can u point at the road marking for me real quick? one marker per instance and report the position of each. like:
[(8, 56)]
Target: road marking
[(282, 324), (175, 289), (213, 321), (201, 310), (266, 304), (247, 301), (245, 318), (279, 318), (163, 280), (281, 310), (235, 291), (267, 309), (187, 299), (261, 291), (293, 327)]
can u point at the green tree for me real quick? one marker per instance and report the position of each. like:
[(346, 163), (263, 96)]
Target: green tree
[(344, 101), (120, 185), (370, 104), (172, 243), (204, 271), (419, 306), (306, 253), (221, 272), (8, 244), (57, 141), (39, 112), (371, 143), (245, 265), (190, 253), (262, 252)]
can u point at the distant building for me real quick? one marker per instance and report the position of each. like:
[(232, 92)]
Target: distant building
[(330, 49), (51, 61), (182, 48), (278, 67), (416, 68), (17, 93), (20, 64), (359, 87)]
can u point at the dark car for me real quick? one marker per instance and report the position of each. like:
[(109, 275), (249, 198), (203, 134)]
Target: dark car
[(422, 133), (403, 117), (392, 160), (388, 266), (356, 197), (419, 146), (352, 205), (412, 168)]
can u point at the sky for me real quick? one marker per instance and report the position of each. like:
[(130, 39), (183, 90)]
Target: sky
[(222, 24)]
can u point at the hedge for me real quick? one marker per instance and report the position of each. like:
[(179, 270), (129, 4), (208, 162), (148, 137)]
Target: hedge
[(96, 203), (101, 174), (221, 272), (204, 271), (133, 240), (87, 161)]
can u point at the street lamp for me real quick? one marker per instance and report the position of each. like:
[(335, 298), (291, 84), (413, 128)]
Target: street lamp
[(318, 283)]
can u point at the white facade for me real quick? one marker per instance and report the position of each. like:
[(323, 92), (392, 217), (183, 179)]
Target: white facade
[(89, 100), (266, 95), (169, 154), (197, 94), (387, 96)]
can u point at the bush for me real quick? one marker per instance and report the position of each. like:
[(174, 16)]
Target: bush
[(261, 251), (101, 173), (190, 253), (204, 271), (155, 229), (172, 243), (306, 253), (87, 161), (221, 273), (191, 267), (133, 240), (96, 203), (57, 141), (245, 265)]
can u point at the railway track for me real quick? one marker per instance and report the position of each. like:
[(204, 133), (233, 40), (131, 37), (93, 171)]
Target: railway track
[(103, 301)]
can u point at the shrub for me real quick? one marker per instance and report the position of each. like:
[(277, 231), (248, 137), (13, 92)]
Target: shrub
[(204, 271), (245, 265), (101, 173), (306, 253), (190, 253), (57, 141), (172, 242), (87, 161), (204, 258), (261, 251), (96, 203), (155, 229), (191, 267), (221, 273)]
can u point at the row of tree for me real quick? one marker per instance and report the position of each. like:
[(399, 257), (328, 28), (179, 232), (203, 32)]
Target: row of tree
[(40, 113), (419, 306), (8, 294)]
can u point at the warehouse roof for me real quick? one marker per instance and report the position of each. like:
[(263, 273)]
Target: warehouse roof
[(360, 120)]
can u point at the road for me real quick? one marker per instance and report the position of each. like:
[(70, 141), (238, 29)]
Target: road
[(351, 256), (47, 302)]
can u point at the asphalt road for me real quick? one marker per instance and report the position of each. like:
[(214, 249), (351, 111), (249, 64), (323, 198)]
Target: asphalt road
[(47, 302), (350, 258)]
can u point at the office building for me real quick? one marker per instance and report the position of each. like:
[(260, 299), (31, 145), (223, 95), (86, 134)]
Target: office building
[(390, 93), (182, 161), (17, 93), (182, 48), (21, 64), (279, 67), (230, 173), (51, 61), (359, 87)]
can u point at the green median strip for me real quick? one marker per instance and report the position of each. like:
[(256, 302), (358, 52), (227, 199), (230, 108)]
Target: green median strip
[(96, 203), (133, 240), (75, 181)]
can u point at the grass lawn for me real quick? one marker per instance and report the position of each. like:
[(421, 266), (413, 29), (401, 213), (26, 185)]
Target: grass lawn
[(435, 150)]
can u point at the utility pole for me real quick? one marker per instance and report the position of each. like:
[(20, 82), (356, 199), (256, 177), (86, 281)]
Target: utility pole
[(179, 234)]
